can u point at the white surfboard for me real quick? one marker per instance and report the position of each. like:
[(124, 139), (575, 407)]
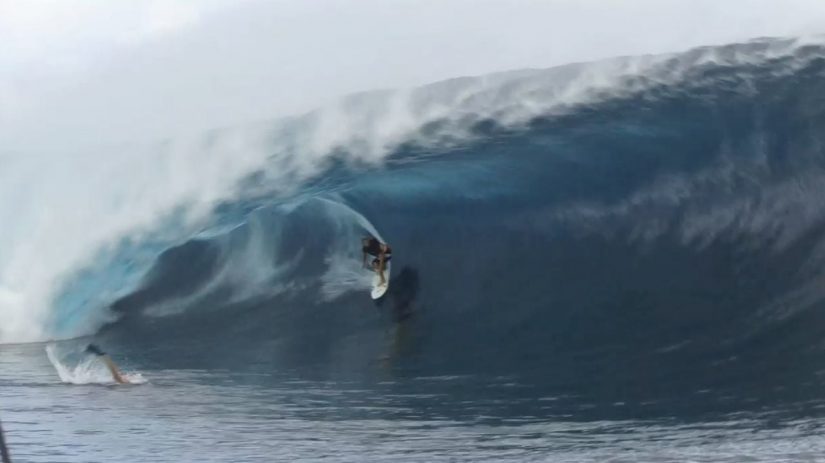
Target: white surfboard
[(378, 289)]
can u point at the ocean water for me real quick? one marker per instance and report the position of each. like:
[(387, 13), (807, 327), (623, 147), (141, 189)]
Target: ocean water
[(611, 261), (396, 415)]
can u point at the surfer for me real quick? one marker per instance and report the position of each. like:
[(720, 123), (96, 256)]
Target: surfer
[(382, 253), (91, 348)]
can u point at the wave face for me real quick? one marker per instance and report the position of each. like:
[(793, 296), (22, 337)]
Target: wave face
[(655, 222)]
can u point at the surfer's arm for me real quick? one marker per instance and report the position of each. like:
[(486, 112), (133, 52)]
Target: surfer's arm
[(113, 369)]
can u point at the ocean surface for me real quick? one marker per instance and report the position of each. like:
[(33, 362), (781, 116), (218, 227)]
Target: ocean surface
[(616, 261)]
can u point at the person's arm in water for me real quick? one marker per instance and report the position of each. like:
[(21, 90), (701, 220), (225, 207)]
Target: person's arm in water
[(113, 369), (110, 364)]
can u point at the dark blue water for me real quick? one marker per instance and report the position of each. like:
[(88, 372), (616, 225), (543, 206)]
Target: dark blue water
[(638, 278), (257, 414)]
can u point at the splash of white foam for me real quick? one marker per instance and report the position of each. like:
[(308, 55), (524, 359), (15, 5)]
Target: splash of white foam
[(89, 370)]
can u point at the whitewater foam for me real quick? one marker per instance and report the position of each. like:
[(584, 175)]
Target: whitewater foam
[(88, 369)]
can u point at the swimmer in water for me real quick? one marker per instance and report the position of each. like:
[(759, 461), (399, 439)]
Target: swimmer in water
[(93, 349)]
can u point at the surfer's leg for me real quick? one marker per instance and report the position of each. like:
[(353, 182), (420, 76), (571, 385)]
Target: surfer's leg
[(378, 266)]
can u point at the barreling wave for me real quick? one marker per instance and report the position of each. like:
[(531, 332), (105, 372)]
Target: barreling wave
[(657, 211)]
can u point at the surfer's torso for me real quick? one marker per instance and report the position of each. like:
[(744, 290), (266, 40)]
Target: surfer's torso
[(374, 248)]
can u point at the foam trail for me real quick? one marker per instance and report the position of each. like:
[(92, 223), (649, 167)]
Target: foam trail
[(89, 370), (249, 272)]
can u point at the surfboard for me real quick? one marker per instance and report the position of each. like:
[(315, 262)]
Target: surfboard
[(378, 289)]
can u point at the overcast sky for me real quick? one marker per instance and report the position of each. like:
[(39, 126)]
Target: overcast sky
[(87, 72)]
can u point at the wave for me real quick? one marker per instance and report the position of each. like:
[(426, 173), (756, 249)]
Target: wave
[(656, 214)]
